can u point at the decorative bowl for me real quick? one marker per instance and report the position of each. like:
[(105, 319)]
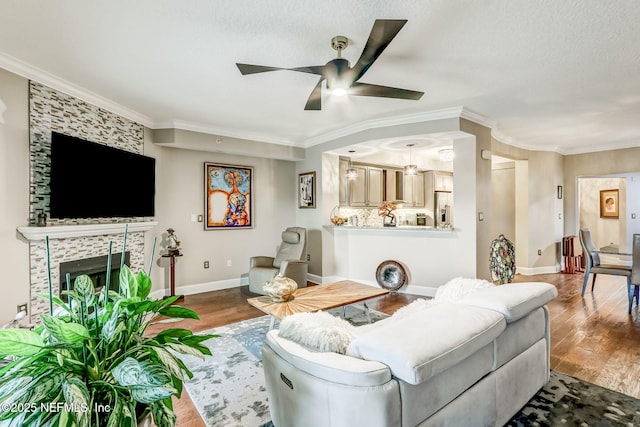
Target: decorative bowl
[(280, 288)]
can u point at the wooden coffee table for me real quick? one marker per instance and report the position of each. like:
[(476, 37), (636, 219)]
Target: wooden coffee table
[(315, 298)]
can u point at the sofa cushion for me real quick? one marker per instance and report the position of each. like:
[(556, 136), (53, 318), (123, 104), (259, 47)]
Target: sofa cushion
[(513, 300), (430, 341), (319, 330)]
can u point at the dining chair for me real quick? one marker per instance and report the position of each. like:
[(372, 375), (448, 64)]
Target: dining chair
[(593, 263), (634, 282)]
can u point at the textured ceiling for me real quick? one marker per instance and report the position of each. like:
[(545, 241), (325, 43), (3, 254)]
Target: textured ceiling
[(547, 74)]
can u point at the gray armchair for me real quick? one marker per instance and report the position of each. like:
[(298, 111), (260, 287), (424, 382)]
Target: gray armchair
[(289, 261)]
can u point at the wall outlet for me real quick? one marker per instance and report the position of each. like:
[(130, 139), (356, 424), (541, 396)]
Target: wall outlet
[(539, 251), (308, 257), (200, 218), (206, 264), (228, 263), (22, 307)]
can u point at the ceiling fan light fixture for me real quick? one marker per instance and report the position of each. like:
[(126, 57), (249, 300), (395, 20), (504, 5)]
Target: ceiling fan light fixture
[(339, 92)]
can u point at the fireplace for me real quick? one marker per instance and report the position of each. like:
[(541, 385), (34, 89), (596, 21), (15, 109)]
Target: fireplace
[(95, 268)]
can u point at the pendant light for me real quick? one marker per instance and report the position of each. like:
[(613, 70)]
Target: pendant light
[(410, 169), (351, 172)]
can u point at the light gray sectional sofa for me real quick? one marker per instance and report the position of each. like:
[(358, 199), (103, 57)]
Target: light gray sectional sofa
[(473, 362)]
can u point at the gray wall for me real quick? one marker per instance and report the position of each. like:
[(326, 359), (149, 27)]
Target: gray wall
[(503, 189), (14, 193)]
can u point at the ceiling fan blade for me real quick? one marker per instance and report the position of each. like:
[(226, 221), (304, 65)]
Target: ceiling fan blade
[(383, 31), (366, 89), (315, 99), (254, 69)]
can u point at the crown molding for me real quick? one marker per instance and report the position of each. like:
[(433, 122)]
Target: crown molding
[(478, 118), (30, 72)]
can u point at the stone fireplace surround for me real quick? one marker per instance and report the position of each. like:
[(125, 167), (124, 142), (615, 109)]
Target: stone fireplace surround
[(73, 242), (69, 240)]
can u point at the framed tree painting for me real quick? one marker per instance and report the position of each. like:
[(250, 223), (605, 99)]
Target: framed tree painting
[(609, 204), (228, 197), (307, 190)]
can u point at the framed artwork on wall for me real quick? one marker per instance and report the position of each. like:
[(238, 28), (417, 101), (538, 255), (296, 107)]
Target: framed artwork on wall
[(307, 190), (228, 197), (609, 203)]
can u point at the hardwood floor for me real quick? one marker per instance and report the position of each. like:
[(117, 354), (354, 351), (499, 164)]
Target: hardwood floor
[(592, 338)]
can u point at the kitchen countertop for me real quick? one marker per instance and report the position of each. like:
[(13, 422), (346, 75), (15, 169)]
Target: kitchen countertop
[(399, 228)]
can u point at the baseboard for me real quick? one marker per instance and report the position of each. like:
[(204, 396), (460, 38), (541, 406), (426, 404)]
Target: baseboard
[(549, 269), (202, 287)]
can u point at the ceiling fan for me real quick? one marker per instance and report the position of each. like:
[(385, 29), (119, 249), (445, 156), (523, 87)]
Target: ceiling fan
[(340, 76)]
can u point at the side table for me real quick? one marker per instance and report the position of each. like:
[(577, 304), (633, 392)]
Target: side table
[(173, 257)]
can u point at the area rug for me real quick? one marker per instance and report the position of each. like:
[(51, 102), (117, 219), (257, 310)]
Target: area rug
[(228, 388)]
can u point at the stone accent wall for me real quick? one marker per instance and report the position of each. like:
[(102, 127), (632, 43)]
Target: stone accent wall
[(70, 249), (50, 110)]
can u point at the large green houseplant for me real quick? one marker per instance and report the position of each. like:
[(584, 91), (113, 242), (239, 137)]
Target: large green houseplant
[(90, 363)]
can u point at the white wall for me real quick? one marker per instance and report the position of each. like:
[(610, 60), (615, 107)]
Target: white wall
[(14, 194)]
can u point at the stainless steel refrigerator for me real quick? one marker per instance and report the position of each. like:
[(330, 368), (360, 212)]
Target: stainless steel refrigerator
[(443, 209)]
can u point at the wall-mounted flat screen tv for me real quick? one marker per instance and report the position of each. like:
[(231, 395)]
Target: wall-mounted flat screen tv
[(90, 180)]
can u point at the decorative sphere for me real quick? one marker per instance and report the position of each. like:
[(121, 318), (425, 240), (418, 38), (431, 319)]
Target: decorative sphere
[(280, 288)]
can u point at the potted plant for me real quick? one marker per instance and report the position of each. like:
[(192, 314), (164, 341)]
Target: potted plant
[(90, 362)]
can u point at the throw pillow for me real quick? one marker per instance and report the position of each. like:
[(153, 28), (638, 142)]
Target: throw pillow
[(320, 331), (452, 291), (460, 287)]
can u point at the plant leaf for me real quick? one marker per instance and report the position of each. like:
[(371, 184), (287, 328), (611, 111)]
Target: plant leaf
[(185, 349), (19, 342), (83, 286), (144, 284), (169, 361), (151, 394), (70, 333), (109, 327), (128, 372), (179, 312), (128, 284), (163, 416), (75, 392), (57, 300)]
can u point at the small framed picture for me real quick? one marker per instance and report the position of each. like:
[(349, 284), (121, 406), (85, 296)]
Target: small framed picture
[(609, 202), (307, 190)]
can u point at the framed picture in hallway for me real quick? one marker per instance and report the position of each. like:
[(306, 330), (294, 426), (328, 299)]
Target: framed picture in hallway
[(307, 190), (228, 198), (609, 202)]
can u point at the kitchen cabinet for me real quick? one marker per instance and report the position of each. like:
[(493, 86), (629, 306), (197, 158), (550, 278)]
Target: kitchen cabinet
[(365, 190), (413, 192)]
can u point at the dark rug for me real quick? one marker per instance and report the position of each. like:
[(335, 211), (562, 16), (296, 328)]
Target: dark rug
[(568, 401), (228, 388)]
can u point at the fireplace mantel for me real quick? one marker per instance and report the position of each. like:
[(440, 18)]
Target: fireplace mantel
[(81, 230)]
